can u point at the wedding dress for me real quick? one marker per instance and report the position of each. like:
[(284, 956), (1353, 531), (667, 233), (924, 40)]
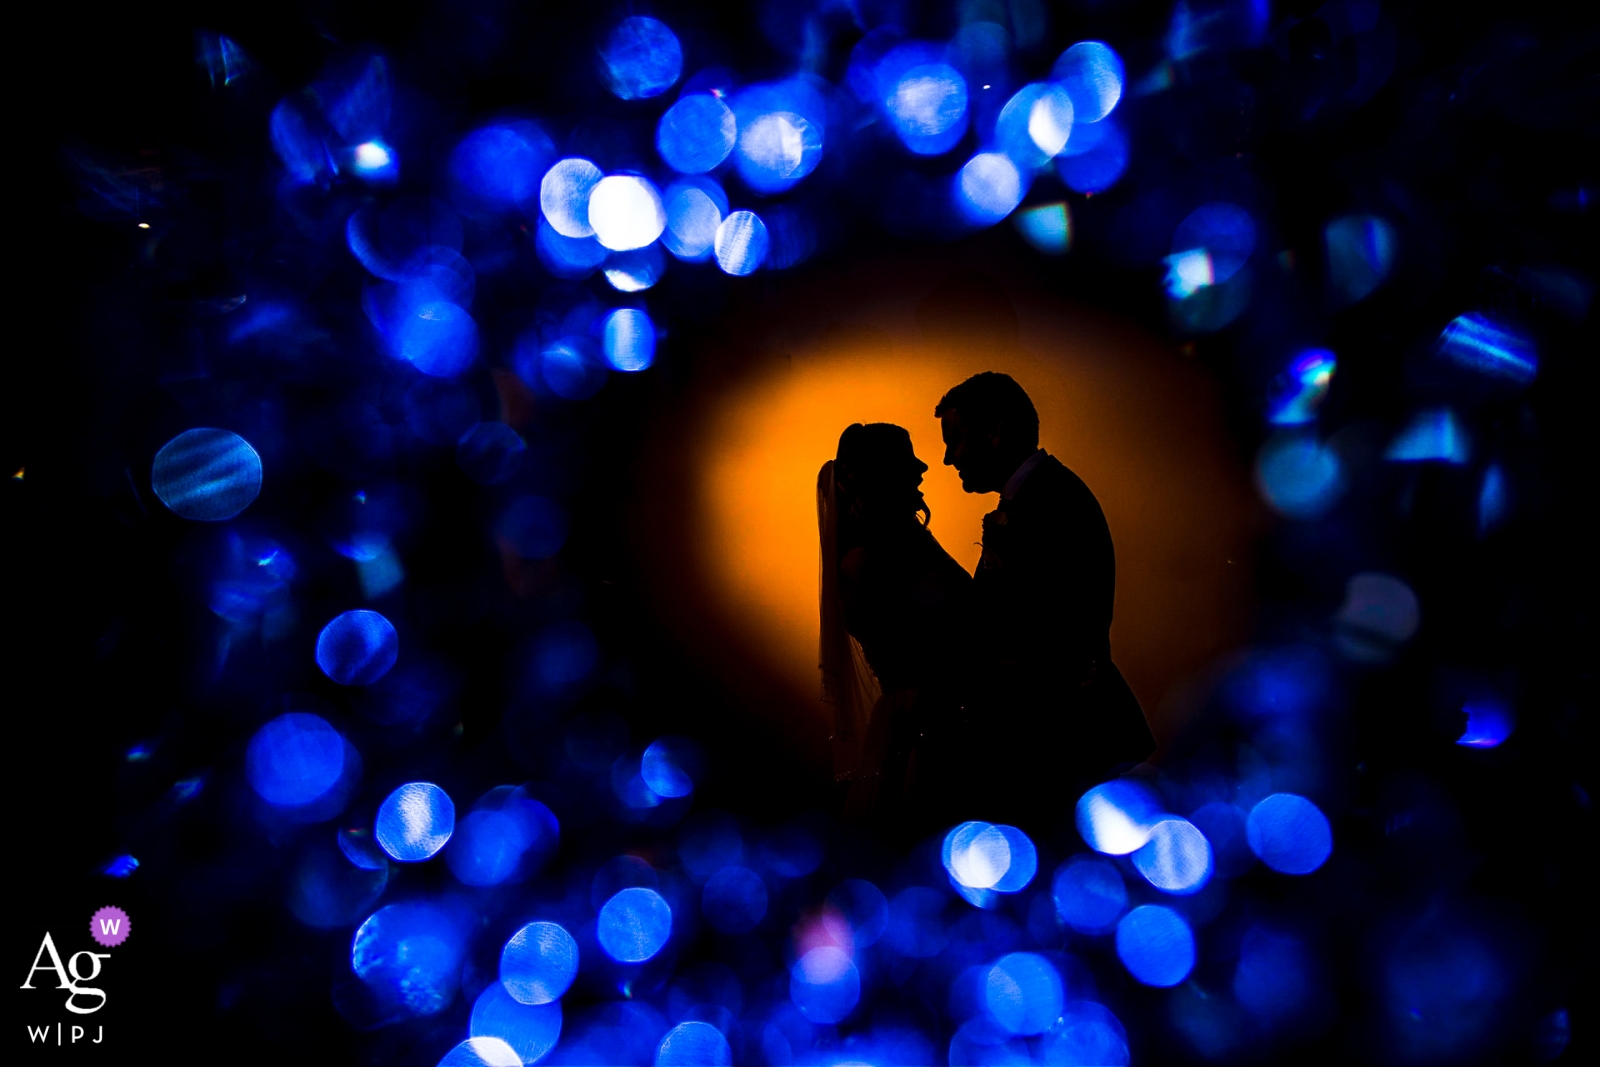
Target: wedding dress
[(894, 645)]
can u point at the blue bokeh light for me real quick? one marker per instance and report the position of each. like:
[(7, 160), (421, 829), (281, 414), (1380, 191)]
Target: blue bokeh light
[(1024, 861), (294, 760), (415, 821), (481, 1052), (375, 162), (121, 866), (636, 270), (662, 768), (696, 134), (567, 257), (1095, 157), (734, 900), (1091, 73), (1361, 251), (499, 167), (1435, 435), (634, 925), (411, 955), (781, 130), (437, 337), (1089, 894), (864, 907), (357, 647), (1047, 227), (628, 338), (1176, 859), (777, 149), (1023, 993), (926, 102), (400, 240), (741, 243), (1490, 721), (486, 848), (642, 58), (825, 984), (530, 1029), (981, 1040), (694, 211), (629, 787), (1156, 945), (1086, 1033), (1116, 817), (207, 475), (976, 854), (1302, 388), (625, 212), (571, 367), (988, 188), (299, 144), (538, 963), (1224, 232), (1477, 343), (490, 453), (694, 1044), (564, 196), (1289, 833), (1298, 476), (360, 849), (1035, 125), (1494, 498)]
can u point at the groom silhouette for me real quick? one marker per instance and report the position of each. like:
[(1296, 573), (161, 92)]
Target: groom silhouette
[(1048, 712)]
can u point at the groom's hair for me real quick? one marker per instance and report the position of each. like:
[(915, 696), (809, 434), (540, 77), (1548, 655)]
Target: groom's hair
[(990, 402)]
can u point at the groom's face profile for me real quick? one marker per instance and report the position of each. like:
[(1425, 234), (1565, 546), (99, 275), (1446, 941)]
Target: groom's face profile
[(971, 452)]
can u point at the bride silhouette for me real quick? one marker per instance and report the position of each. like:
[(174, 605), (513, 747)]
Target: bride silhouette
[(893, 605)]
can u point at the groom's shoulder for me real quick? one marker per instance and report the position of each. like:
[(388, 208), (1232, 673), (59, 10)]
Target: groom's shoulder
[(1054, 493), (1054, 479)]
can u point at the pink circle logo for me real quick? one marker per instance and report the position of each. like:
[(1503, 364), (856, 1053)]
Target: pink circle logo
[(109, 926)]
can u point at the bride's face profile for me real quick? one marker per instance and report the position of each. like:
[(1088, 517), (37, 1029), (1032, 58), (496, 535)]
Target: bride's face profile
[(879, 473)]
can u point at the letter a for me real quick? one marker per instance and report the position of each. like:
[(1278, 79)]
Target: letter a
[(54, 965)]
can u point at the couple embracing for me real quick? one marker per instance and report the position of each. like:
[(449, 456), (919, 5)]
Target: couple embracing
[(986, 696)]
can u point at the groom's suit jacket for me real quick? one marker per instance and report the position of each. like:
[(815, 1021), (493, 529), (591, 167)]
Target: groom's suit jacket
[(1056, 704)]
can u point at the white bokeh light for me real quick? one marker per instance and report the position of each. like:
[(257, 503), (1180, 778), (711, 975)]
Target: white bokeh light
[(626, 212)]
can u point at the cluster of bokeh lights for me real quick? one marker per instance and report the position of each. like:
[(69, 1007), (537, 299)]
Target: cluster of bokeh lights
[(650, 926)]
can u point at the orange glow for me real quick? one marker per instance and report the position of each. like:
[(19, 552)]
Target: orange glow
[(1135, 422)]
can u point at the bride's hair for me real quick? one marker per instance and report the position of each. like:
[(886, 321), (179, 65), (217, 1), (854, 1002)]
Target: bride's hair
[(874, 466)]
